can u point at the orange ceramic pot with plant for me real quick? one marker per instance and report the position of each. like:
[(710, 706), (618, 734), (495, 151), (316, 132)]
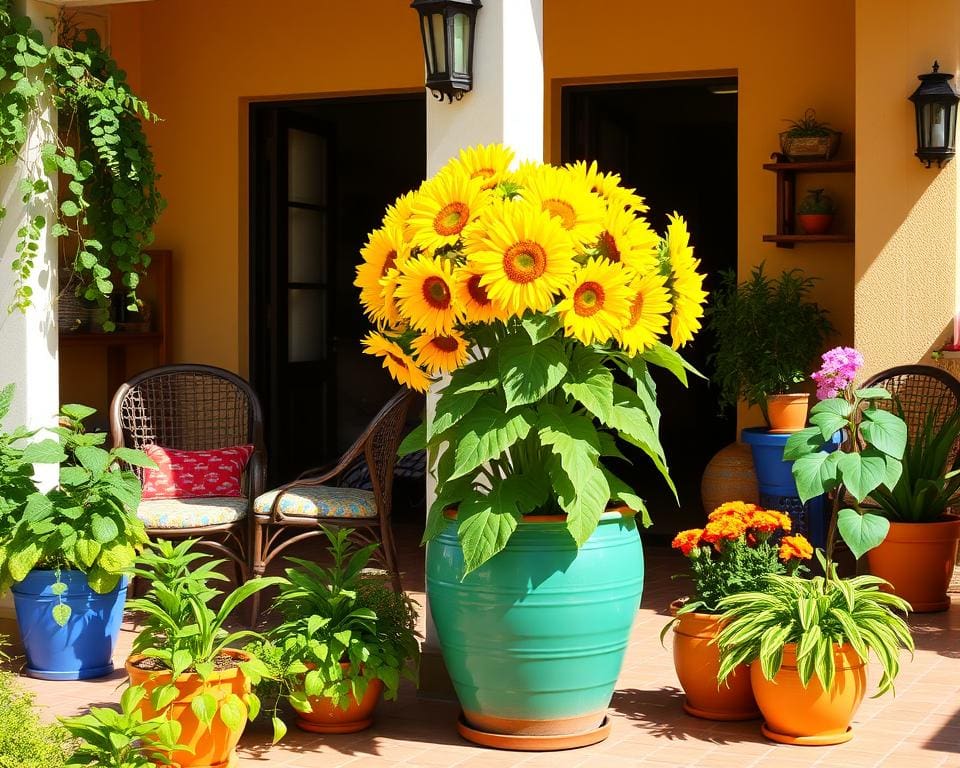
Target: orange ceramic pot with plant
[(810, 716), (788, 413), (213, 747), (697, 661), (326, 717)]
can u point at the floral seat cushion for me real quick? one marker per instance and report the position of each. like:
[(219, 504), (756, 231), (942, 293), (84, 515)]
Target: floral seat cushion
[(192, 513), (319, 501)]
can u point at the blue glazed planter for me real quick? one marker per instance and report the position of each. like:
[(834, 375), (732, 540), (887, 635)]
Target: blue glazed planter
[(81, 649), (534, 638)]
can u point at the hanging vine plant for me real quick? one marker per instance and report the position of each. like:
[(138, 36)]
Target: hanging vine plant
[(108, 200)]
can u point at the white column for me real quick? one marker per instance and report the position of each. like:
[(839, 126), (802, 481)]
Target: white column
[(28, 340), (505, 106)]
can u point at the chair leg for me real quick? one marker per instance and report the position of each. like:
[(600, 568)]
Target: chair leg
[(258, 534), (390, 554)]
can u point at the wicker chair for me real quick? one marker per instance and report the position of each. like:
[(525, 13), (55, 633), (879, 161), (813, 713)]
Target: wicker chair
[(195, 407), (919, 388), (295, 511)]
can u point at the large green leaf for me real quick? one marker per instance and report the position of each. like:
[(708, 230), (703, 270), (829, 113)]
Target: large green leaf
[(873, 393), (134, 457), (816, 473), (806, 441), (96, 460), (862, 532), (415, 441), (862, 472), (479, 376), (451, 408), (666, 357), (590, 383), (835, 405), (540, 327), (77, 412), (485, 434), (103, 528), (485, 522), (884, 431), (620, 491), (829, 423), (44, 452), (629, 418), (6, 399), (528, 372)]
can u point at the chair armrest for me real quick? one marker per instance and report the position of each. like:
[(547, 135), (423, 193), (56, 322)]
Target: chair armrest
[(257, 474), (322, 475)]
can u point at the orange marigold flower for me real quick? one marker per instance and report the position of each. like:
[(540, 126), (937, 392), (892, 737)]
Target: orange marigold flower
[(795, 547), (687, 541), (725, 528), (768, 521), (734, 509)]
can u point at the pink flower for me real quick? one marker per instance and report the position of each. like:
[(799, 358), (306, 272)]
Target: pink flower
[(839, 369)]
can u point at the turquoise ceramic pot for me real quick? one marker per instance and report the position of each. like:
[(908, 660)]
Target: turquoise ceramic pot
[(534, 639)]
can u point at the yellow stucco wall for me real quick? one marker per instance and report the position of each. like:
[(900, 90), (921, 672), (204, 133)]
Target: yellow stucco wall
[(906, 250)]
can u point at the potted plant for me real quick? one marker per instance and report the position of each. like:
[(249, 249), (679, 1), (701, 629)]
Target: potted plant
[(185, 659), (815, 212), (531, 295), (66, 554), (739, 545), (809, 139), (346, 639), (918, 554), (808, 640)]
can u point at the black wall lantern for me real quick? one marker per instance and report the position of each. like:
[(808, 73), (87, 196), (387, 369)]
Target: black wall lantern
[(448, 28), (935, 102)]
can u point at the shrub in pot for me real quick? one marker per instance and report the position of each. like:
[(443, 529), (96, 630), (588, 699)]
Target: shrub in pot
[(809, 139), (66, 553), (740, 544), (188, 663), (815, 212), (919, 552), (345, 639)]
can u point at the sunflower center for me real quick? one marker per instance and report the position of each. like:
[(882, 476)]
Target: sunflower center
[(436, 292), (588, 299), (562, 210), (445, 343), (636, 308), (524, 261), (608, 247), (477, 292), (451, 218), (483, 173), (388, 263)]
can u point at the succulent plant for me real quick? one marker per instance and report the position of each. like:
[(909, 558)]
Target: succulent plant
[(816, 202), (808, 126)]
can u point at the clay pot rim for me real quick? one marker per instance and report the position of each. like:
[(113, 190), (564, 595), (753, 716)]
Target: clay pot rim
[(789, 396), (225, 674), (621, 509), (913, 531)]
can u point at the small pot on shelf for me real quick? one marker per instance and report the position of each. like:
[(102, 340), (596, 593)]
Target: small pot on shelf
[(788, 412), (815, 212)]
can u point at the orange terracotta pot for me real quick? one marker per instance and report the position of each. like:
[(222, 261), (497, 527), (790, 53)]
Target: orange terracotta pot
[(788, 413), (810, 716), (697, 661), (815, 223), (327, 717), (918, 560), (213, 747)]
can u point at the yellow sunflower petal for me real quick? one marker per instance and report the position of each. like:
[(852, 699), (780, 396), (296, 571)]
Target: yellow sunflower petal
[(384, 251), (398, 214), (649, 312), (557, 191), (686, 283), (490, 163), (441, 353), (425, 294), (443, 207), (398, 363), (608, 185), (477, 305), (597, 304), (630, 240)]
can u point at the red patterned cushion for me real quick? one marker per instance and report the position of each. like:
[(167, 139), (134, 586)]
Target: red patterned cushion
[(195, 474)]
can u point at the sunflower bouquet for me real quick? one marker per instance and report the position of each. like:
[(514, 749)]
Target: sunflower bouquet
[(537, 289)]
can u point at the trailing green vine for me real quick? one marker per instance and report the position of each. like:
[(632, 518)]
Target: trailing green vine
[(107, 207)]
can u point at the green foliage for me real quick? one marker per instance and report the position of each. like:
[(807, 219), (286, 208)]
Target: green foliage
[(124, 739), (185, 634), (87, 523), (808, 127), (25, 741), (816, 614), (338, 615), (930, 479), (768, 334), (816, 202), (108, 198), (530, 427)]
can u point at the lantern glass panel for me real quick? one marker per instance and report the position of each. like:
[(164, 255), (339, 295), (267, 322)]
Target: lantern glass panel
[(428, 45), (951, 120), (439, 42), (461, 42)]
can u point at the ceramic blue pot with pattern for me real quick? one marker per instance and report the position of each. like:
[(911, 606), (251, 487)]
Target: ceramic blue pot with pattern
[(83, 647)]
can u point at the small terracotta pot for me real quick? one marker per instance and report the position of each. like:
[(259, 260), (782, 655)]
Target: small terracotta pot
[(326, 717), (815, 223), (810, 716), (213, 747), (918, 559), (788, 413), (697, 661)]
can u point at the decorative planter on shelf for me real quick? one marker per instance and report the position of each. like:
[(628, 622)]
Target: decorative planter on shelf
[(729, 475), (534, 638), (918, 560), (213, 747), (815, 223), (788, 412), (810, 716), (697, 661), (83, 647), (799, 149), (326, 717), (778, 490)]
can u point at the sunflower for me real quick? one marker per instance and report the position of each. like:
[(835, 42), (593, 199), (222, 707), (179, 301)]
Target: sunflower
[(425, 294), (398, 214), (649, 308), (384, 251), (490, 163), (477, 304), (557, 191), (443, 207), (523, 254), (686, 283), (630, 240), (400, 365), (441, 353), (598, 303), (608, 186)]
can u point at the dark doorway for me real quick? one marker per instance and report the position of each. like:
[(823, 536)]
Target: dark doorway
[(322, 173), (676, 142)]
